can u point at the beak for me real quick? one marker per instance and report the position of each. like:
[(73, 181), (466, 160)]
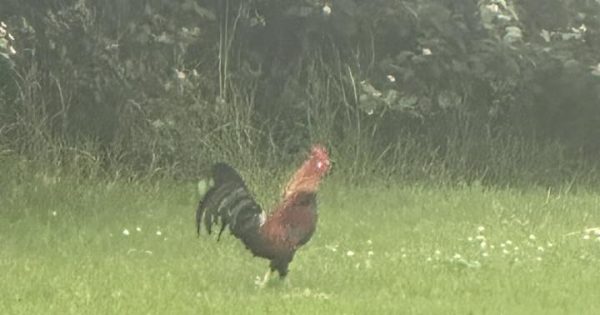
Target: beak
[(329, 166)]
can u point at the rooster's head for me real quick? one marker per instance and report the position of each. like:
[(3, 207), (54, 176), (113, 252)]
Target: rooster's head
[(319, 160)]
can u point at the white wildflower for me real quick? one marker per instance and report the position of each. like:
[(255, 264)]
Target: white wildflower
[(438, 252), (595, 69), (306, 292), (180, 74), (139, 229), (586, 237), (480, 238), (483, 245), (349, 253), (540, 248), (485, 254), (391, 78), (159, 233), (369, 242), (370, 253), (426, 51), (505, 252), (538, 258), (532, 237), (549, 244), (323, 296), (326, 9), (54, 213), (516, 249), (126, 232), (470, 239), (429, 259), (480, 229), (508, 242), (582, 28), (493, 7), (457, 256)]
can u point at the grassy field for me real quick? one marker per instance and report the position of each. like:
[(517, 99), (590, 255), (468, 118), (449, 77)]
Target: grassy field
[(128, 248)]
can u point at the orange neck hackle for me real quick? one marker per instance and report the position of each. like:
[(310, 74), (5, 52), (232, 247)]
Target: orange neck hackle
[(308, 176)]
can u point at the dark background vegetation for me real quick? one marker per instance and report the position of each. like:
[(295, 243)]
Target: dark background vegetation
[(491, 91)]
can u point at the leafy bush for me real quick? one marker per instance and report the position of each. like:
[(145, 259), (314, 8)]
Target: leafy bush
[(159, 85)]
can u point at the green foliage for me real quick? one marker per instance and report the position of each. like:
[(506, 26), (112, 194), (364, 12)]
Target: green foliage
[(6, 44), (7, 50), (162, 86)]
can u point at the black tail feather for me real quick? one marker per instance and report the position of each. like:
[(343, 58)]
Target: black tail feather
[(229, 203)]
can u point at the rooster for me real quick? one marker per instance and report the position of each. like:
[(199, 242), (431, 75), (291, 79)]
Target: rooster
[(275, 236)]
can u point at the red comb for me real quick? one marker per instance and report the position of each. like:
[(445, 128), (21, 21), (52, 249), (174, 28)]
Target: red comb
[(320, 152)]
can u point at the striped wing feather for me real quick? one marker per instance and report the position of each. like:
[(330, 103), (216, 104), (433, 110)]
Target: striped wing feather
[(230, 201)]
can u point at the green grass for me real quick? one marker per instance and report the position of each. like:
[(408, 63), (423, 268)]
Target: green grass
[(405, 249)]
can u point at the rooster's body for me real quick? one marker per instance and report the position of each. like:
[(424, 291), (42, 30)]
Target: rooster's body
[(275, 236)]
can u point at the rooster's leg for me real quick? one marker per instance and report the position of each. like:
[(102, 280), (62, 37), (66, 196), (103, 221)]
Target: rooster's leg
[(281, 265), (268, 275), (266, 278)]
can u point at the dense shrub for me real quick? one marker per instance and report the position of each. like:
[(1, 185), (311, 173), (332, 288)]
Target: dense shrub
[(398, 87)]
